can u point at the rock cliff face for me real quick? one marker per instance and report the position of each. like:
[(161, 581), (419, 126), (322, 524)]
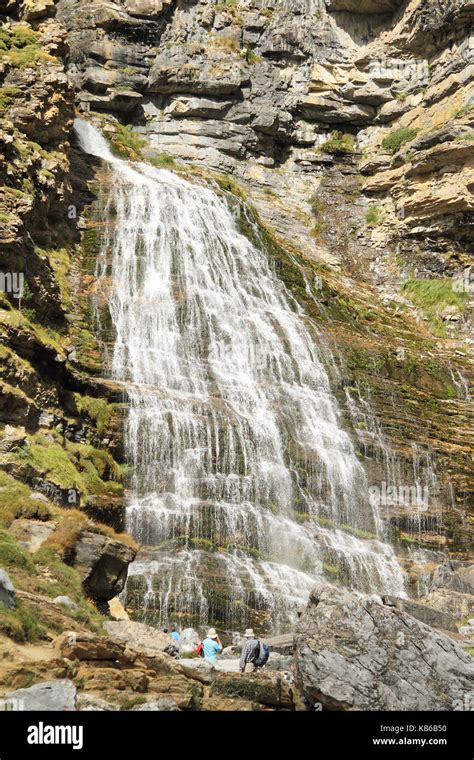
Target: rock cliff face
[(347, 128), (60, 439)]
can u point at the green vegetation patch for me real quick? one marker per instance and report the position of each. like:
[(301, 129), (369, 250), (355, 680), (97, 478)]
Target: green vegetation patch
[(16, 501), (394, 141), (373, 216), (162, 161), (339, 143), (97, 409), (13, 555), (21, 46), (433, 296), (7, 96), (126, 143), (21, 624)]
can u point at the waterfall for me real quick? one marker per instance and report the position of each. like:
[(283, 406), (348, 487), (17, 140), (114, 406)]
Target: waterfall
[(244, 486)]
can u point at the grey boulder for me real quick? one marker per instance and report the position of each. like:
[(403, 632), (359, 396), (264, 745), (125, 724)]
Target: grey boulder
[(157, 705), (57, 695), (355, 653), (7, 591)]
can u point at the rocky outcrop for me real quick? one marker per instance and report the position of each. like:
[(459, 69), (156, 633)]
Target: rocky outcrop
[(111, 673), (355, 653), (423, 612), (142, 636), (268, 689), (103, 564), (7, 591), (453, 575), (57, 696)]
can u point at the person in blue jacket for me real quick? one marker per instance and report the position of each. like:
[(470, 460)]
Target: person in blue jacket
[(211, 646), (174, 634)]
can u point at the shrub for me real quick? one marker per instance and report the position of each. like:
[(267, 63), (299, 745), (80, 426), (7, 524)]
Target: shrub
[(372, 217), (252, 57), (20, 44), (7, 95), (97, 409), (126, 143), (394, 141), (224, 44), (317, 205), (127, 704), (318, 229), (162, 161), (339, 143)]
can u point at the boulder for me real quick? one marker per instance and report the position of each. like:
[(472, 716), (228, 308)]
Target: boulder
[(88, 646), (223, 704), (454, 575), (428, 615), (66, 601), (279, 662), (93, 703), (198, 669), (117, 610), (103, 563), (7, 591), (147, 8), (283, 644), (355, 653), (31, 10), (57, 695), (230, 653), (268, 689), (157, 705), (188, 641), (453, 603), (141, 637), (12, 438), (185, 692)]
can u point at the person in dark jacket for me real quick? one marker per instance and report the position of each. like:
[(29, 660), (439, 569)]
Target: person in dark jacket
[(250, 652)]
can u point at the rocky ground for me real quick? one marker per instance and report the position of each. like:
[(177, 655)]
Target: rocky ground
[(346, 128)]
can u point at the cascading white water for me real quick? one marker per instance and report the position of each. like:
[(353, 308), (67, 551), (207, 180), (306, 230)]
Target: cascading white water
[(244, 485)]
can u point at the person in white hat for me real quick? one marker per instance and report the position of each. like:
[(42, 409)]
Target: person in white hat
[(250, 652), (211, 646)]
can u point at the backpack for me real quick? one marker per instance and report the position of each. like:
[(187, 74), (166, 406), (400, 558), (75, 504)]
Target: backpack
[(263, 656), (200, 649)]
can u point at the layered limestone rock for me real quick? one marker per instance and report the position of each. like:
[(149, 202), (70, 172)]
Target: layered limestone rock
[(347, 127), (60, 438)]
